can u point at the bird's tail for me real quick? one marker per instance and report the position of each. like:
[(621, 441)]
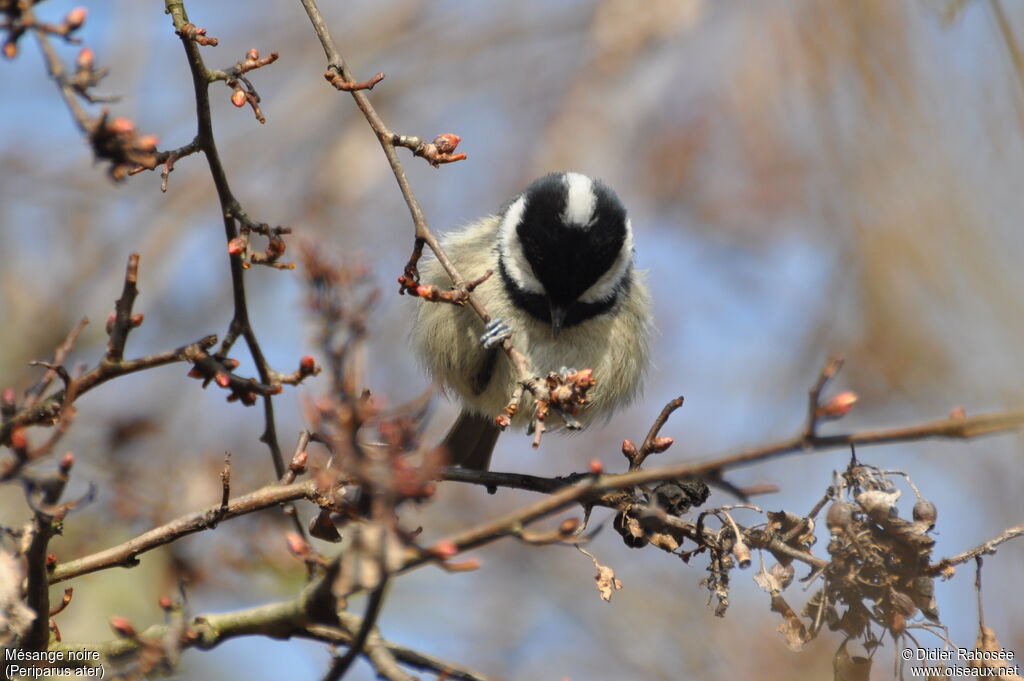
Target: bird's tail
[(470, 442)]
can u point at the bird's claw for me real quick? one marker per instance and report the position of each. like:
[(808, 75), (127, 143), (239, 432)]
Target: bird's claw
[(495, 333)]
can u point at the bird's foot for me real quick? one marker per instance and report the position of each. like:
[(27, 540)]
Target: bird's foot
[(495, 333)]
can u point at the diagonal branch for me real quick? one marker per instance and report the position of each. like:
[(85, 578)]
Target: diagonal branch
[(127, 553), (423, 233)]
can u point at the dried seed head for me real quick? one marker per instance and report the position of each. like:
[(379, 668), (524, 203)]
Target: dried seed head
[(925, 512), (879, 505), (839, 516)]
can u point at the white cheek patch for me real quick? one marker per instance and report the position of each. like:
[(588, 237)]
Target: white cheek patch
[(511, 249), (603, 288), (580, 200)]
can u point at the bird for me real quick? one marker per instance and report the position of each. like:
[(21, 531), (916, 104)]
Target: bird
[(565, 291)]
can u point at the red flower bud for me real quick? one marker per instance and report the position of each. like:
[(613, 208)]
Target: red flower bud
[(147, 142), (237, 245), (297, 545), (10, 49), (660, 444), (252, 55), (446, 142), (136, 319), (122, 627), (596, 467), (222, 379), (84, 61), (444, 549), (307, 364), (67, 462), (75, 18), (238, 98), (165, 602), (19, 441), (122, 126), (839, 406), (299, 461)]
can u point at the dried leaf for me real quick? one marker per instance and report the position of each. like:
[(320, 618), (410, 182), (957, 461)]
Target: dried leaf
[(605, 577), (768, 581), (792, 629), (991, 655), (846, 667)]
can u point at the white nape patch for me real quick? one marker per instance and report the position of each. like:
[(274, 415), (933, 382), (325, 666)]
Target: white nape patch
[(510, 249), (580, 200), (603, 288)]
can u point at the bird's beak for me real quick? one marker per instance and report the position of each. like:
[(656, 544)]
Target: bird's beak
[(557, 318)]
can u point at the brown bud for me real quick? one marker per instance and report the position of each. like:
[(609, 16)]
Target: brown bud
[(446, 142), (839, 406), (75, 18), (196, 372), (19, 441), (222, 379), (51, 561), (122, 126), (122, 627), (136, 320), (298, 463), (660, 444), (238, 98), (568, 526), (297, 544), (629, 449), (85, 58), (10, 49), (230, 363), (111, 318), (66, 462), (307, 364), (252, 55), (444, 549), (147, 142), (237, 245)]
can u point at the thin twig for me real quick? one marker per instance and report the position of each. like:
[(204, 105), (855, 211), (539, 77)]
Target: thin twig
[(981, 550), (127, 553), (423, 233)]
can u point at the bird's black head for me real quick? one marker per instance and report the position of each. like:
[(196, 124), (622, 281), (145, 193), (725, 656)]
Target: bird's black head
[(566, 249)]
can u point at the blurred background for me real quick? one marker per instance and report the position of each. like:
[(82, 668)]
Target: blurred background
[(805, 177)]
